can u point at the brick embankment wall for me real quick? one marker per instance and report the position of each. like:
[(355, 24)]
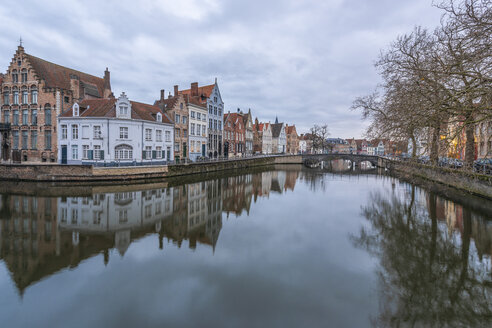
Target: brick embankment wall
[(88, 174), (473, 183)]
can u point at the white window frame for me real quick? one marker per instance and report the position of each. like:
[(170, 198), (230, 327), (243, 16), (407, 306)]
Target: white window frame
[(123, 132)]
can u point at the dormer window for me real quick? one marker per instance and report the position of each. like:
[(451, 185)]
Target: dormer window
[(123, 107), (159, 117), (76, 109), (124, 110)]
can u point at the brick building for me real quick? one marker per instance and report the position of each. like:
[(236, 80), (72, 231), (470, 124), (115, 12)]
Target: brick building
[(34, 93), (175, 107), (292, 139), (262, 138), (234, 134)]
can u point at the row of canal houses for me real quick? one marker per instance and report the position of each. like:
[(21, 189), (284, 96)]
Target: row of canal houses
[(51, 113)]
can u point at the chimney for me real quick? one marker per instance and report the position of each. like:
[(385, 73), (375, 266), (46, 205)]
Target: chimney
[(163, 94), (107, 84), (194, 89), (175, 90)]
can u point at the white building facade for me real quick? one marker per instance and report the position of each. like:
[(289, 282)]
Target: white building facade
[(115, 131), (198, 131)]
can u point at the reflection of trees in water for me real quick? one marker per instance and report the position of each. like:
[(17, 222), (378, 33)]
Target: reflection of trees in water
[(427, 277), (315, 179)]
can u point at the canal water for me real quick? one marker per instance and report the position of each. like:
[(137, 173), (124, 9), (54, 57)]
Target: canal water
[(276, 247)]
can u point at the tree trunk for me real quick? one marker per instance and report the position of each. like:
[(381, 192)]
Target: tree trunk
[(434, 153), (470, 142), (414, 146)]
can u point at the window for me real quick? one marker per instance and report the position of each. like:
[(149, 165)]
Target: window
[(192, 129), (184, 119), (24, 139), (210, 109), (181, 106), (15, 135), (34, 117), (123, 132), (148, 134), (123, 216), (215, 124), (198, 116), (220, 112), (85, 132), (75, 131), (97, 132), (25, 97), (168, 153), (192, 146), (215, 110), (47, 115), (215, 99), (6, 98), (47, 140), (159, 117), (16, 97), (198, 127), (158, 151), (148, 152), (64, 131), (192, 114), (25, 115), (75, 152), (168, 136), (85, 152), (76, 110), (97, 152), (204, 117), (220, 125), (158, 135), (177, 118), (15, 117), (185, 133), (34, 139), (24, 75), (123, 152), (34, 96), (123, 110), (210, 123), (15, 76)]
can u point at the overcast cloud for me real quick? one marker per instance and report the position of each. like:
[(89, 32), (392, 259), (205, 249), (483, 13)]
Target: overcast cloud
[(304, 61)]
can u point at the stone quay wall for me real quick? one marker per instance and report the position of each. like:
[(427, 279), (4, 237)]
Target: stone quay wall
[(470, 182), (90, 174)]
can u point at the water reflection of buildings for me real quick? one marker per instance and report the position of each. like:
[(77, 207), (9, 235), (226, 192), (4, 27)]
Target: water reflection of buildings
[(453, 215), (40, 235)]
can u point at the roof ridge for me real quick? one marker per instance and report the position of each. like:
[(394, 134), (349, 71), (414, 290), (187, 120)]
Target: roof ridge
[(61, 66)]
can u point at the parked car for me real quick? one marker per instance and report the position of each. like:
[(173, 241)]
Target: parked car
[(483, 165)]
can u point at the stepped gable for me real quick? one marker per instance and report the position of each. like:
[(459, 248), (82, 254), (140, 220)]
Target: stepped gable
[(57, 76)]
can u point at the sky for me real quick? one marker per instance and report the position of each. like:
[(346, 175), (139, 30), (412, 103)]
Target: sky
[(303, 61)]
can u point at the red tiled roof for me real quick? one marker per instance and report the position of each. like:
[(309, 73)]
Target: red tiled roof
[(206, 91), (106, 108), (291, 129), (56, 76)]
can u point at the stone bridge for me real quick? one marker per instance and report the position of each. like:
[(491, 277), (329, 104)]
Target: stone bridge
[(310, 160)]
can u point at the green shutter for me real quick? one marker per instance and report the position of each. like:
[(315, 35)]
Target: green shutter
[(154, 154), (101, 153), (143, 154), (90, 154)]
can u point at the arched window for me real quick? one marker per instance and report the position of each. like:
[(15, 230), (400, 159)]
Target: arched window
[(24, 75), (24, 95), (123, 152), (34, 94), (15, 76), (159, 117), (6, 94), (15, 92), (75, 111)]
